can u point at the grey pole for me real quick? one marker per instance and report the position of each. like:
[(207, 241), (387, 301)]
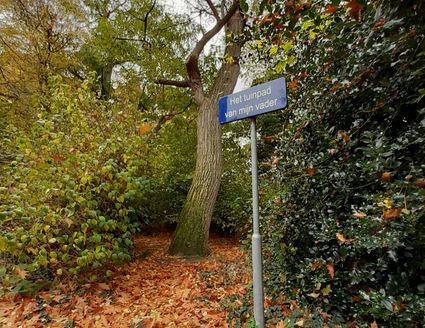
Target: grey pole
[(257, 262)]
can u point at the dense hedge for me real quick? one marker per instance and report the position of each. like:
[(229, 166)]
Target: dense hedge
[(344, 225)]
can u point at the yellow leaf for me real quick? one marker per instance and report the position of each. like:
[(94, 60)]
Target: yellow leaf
[(327, 290), (405, 211), (388, 203)]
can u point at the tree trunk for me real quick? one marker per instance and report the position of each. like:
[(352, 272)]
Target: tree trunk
[(192, 232), (106, 78)]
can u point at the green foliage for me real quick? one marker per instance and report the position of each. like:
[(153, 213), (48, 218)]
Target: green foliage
[(233, 208), (71, 199), (344, 230)]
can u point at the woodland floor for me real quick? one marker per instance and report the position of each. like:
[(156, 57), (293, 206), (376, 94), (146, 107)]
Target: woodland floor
[(155, 290)]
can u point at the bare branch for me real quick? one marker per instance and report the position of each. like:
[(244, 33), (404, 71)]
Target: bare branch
[(168, 117), (179, 84), (213, 9)]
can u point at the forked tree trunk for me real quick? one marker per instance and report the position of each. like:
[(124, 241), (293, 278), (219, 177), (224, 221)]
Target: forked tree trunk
[(192, 232)]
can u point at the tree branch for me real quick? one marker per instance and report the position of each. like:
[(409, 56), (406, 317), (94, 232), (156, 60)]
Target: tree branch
[(193, 58), (179, 84), (213, 9)]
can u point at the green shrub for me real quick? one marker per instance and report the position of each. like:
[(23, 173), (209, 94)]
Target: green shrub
[(71, 198)]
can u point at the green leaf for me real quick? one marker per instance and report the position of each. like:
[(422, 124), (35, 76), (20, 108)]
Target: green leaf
[(244, 6)]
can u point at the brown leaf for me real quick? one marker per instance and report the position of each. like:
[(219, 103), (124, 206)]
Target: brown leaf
[(386, 177), (325, 316), (268, 139), (359, 215), (341, 238), (309, 171), (354, 8), (420, 183), (330, 268), (280, 324), (374, 325), (316, 264), (391, 214), (344, 135), (330, 9), (21, 273)]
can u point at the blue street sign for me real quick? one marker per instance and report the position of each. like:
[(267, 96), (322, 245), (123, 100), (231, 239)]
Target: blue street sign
[(261, 99)]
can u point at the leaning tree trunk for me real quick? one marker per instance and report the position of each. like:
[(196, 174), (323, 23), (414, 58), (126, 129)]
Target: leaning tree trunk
[(192, 232)]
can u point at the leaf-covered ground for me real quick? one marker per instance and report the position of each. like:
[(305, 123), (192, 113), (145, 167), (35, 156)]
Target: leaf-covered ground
[(155, 290)]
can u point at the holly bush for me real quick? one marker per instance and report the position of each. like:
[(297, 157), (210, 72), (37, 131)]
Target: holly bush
[(71, 197), (344, 234)]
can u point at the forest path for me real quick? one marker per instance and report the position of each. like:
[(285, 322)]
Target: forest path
[(155, 290)]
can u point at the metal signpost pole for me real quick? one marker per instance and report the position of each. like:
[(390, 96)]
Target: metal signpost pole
[(257, 261), (258, 100)]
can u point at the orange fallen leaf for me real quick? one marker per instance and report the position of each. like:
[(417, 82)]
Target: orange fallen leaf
[(359, 215), (386, 177), (420, 183), (341, 237), (293, 85), (144, 128), (391, 214), (374, 325), (330, 268)]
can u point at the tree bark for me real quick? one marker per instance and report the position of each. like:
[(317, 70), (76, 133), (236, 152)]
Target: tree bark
[(191, 236)]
